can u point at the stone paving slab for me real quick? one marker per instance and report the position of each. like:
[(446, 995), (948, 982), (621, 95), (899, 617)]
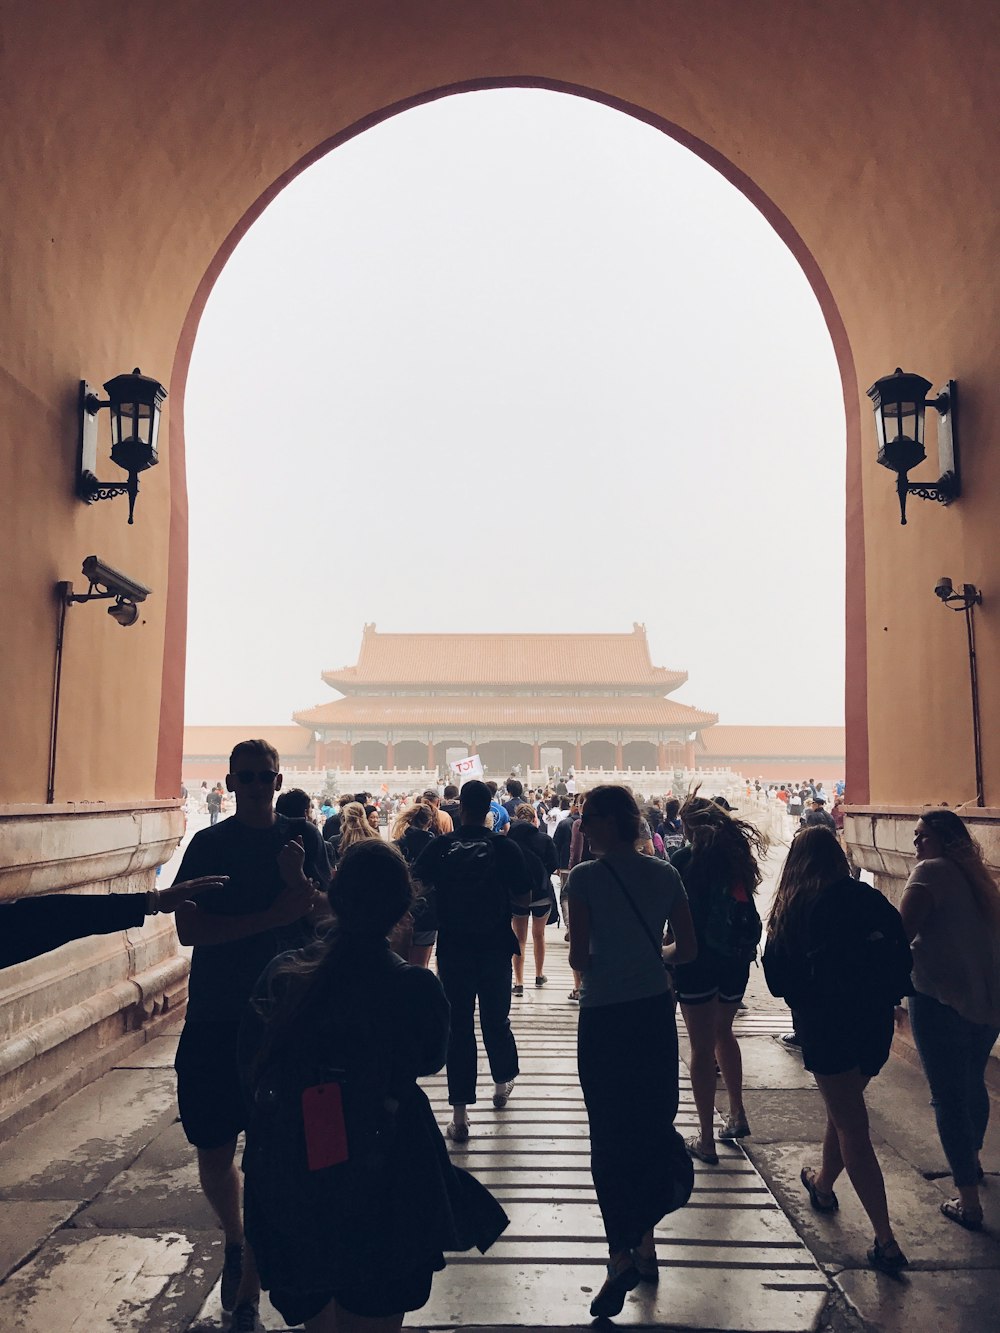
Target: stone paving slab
[(925, 1302), (156, 1054), (159, 1191), (25, 1224), (77, 1150), (841, 1239), (110, 1282)]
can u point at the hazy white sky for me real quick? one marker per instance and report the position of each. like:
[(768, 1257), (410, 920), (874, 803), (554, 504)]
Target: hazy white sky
[(514, 361)]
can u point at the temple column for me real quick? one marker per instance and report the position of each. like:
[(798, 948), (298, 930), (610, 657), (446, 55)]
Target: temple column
[(431, 760), (689, 754), (661, 756), (349, 748), (578, 757), (536, 756), (390, 755), (319, 758), (619, 756)]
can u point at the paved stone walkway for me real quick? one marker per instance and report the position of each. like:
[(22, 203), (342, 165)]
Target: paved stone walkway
[(103, 1228)]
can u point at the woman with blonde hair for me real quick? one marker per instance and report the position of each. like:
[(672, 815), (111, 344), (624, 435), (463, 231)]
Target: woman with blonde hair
[(951, 913), (720, 873), (837, 952), (354, 826)]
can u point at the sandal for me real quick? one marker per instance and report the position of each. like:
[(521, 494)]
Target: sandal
[(574, 995), (965, 1217), (823, 1203), (695, 1150), (611, 1297), (734, 1128), (890, 1264)]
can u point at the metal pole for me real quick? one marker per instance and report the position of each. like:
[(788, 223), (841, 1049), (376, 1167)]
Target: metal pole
[(977, 738), (63, 591)]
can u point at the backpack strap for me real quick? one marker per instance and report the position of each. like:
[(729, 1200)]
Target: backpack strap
[(658, 948)]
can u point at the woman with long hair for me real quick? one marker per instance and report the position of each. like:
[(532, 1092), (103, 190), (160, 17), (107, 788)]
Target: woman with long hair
[(951, 913), (354, 827), (837, 953), (350, 1194), (627, 1041), (540, 856), (719, 867), (411, 833)]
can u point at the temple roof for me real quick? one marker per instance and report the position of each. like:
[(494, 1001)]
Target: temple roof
[(503, 661), (463, 714), (775, 742)]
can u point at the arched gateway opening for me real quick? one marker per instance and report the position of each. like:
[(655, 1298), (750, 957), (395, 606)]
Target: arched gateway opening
[(635, 753)]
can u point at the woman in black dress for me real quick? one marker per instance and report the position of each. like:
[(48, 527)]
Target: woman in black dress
[(350, 1194), (837, 952)]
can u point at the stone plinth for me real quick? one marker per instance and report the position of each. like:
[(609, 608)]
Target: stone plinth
[(69, 1015)]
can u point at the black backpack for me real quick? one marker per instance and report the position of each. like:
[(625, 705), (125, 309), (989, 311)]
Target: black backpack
[(470, 899), (732, 926)]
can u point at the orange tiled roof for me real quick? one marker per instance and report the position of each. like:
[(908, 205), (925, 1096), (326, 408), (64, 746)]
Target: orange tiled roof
[(505, 660), (552, 712), (775, 742), (217, 742)]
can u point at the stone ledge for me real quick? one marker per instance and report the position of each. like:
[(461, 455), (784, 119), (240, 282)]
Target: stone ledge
[(49, 848)]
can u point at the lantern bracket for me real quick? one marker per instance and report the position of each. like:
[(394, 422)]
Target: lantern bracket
[(89, 487)]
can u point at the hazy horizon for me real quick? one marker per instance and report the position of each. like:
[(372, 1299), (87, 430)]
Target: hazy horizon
[(515, 362)]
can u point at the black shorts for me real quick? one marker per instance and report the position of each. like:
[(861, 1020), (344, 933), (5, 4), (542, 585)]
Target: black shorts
[(537, 910), (711, 976), (208, 1084), (835, 1043), (395, 1293)]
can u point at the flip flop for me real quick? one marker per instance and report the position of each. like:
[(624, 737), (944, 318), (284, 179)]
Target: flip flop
[(823, 1203)]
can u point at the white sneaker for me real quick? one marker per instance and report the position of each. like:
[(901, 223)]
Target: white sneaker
[(501, 1094)]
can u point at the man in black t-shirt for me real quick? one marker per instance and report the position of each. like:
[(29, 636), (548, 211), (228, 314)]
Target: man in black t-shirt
[(450, 805), (276, 869), (476, 879)]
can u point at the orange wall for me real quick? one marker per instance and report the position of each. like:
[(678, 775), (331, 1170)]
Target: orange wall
[(120, 204)]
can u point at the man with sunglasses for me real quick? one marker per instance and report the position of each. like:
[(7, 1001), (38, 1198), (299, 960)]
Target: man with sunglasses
[(276, 870)]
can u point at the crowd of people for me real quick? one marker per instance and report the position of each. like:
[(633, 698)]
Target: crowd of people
[(333, 967)]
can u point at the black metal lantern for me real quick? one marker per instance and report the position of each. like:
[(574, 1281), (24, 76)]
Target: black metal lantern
[(900, 401), (134, 401)]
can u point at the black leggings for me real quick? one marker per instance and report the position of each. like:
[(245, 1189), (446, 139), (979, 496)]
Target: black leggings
[(627, 1058)]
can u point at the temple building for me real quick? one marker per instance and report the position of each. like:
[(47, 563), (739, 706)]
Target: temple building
[(529, 700)]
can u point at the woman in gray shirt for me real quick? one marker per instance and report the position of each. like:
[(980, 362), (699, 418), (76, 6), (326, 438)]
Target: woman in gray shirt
[(951, 913), (627, 1041)]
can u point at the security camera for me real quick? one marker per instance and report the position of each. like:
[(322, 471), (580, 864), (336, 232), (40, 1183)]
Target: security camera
[(943, 589), (117, 583), (124, 611)]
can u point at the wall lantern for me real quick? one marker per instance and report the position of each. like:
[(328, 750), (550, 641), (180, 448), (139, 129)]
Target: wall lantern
[(900, 400), (135, 401), (967, 600)]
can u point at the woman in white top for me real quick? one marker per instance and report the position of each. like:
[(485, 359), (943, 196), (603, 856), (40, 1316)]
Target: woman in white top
[(627, 1041), (951, 913)]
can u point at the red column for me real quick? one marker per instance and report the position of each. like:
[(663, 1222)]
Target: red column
[(431, 761), (619, 757), (349, 750), (578, 760), (319, 760), (689, 754), (661, 756), (390, 755), (536, 756)]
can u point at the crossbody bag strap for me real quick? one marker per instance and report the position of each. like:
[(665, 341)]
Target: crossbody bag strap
[(658, 948)]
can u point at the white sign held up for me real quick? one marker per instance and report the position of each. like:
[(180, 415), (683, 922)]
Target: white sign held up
[(470, 767)]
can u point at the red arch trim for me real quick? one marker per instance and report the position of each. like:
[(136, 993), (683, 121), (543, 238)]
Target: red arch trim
[(856, 695)]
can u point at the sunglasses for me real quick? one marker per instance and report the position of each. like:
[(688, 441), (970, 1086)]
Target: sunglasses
[(247, 775)]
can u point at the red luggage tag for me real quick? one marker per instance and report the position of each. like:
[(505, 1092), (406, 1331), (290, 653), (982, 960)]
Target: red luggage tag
[(323, 1121)]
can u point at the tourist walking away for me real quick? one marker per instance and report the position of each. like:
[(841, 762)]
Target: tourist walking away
[(213, 804), (818, 814), (719, 867), (837, 952), (620, 905), (354, 827), (540, 858), (477, 879), (411, 833), (276, 868), (350, 1195), (951, 914)]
